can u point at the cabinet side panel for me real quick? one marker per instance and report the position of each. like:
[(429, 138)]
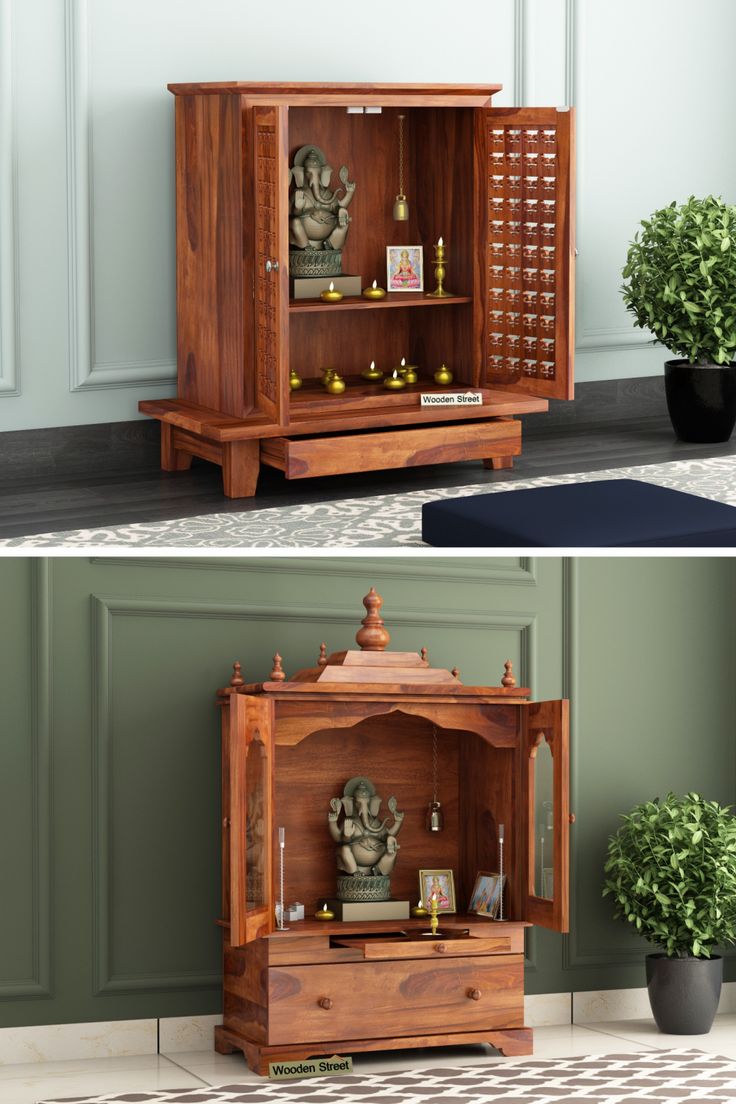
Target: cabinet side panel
[(209, 243), (245, 998)]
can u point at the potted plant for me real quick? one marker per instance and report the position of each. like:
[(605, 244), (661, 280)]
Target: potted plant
[(680, 283), (671, 872)]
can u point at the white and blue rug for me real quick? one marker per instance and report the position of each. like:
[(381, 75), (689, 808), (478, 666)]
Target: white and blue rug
[(383, 521)]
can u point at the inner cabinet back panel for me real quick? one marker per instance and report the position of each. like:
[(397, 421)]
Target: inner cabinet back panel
[(438, 179), (488, 782), (396, 754)]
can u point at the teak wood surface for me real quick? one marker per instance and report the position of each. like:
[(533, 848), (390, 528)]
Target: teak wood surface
[(506, 329), (509, 1041), (372, 984)]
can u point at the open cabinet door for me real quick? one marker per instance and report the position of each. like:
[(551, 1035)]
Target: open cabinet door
[(271, 245), (251, 816), (545, 814), (525, 176)]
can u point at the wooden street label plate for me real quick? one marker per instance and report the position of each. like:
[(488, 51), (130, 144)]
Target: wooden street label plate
[(309, 1067), (451, 398)]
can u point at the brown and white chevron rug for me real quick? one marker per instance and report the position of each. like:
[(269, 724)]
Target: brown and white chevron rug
[(661, 1077)]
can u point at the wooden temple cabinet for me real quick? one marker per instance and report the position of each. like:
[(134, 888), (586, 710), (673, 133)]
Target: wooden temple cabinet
[(288, 746), (495, 183)]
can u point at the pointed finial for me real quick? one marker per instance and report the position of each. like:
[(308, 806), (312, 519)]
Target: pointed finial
[(508, 679), (423, 654), (322, 661), (455, 673), (236, 678), (373, 637), (277, 675)]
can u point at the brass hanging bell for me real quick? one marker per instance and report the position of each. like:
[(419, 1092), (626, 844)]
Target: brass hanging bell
[(401, 209), (435, 821)]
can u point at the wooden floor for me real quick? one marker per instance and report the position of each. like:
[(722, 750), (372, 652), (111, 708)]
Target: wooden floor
[(40, 505)]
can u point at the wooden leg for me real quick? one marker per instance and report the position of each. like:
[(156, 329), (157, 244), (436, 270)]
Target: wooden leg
[(514, 1040), (172, 459), (497, 463), (222, 1046), (240, 466)]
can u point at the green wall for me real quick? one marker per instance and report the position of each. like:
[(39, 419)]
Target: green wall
[(109, 808)]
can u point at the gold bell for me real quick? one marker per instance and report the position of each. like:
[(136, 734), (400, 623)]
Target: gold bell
[(443, 375), (295, 380), (401, 209)]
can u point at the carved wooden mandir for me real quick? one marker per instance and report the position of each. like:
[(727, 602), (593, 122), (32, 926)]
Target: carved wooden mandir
[(495, 183), (288, 746)]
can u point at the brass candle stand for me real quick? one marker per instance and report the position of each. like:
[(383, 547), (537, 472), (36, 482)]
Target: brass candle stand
[(440, 272), (434, 922)]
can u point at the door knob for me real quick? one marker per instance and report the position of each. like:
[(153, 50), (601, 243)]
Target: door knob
[(441, 948), (325, 1002), (572, 818), (275, 266), (474, 994), (269, 266)]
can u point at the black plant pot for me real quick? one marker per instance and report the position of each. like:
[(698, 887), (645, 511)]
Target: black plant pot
[(684, 992), (701, 399)]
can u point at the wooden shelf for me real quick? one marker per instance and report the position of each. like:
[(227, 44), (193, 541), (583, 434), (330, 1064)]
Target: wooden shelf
[(359, 392), (395, 299)]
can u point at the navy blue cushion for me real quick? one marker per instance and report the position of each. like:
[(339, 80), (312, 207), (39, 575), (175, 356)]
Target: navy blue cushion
[(608, 513)]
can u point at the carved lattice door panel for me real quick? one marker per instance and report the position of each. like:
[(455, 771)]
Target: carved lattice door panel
[(545, 814), (528, 278), (271, 345)]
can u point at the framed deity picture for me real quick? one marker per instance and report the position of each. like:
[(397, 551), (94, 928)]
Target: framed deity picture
[(442, 884), (486, 896), (404, 268)]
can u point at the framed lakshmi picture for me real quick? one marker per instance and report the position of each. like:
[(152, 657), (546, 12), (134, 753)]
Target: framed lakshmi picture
[(486, 896), (442, 884), (404, 268)]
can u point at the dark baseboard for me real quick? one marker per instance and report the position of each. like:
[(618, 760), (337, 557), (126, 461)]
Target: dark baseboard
[(603, 402), (106, 448), (110, 447)]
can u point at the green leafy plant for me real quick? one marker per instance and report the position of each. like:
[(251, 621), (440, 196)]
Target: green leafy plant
[(671, 872), (680, 278)]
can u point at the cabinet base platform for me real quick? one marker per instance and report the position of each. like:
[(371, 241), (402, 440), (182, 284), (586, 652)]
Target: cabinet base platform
[(241, 448), (511, 1041)]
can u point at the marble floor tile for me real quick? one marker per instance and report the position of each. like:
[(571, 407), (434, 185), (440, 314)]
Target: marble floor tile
[(42, 1085), (73, 1066), (720, 1040)]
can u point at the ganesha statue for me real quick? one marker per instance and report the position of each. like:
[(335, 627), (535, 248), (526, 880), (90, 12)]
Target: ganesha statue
[(367, 847), (318, 216)]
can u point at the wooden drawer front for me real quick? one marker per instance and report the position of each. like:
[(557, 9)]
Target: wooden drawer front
[(300, 457), (309, 1004), (463, 948)]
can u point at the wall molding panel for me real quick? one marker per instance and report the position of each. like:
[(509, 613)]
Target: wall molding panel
[(85, 373), (430, 570), (103, 980), (9, 370), (39, 984)]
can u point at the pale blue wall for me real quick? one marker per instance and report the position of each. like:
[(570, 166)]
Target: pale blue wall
[(86, 145)]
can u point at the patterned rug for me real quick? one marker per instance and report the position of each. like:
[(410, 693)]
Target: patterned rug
[(377, 521), (663, 1076)]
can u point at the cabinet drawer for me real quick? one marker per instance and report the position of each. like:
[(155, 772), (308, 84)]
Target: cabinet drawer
[(302, 457), (373, 1000), (428, 948)]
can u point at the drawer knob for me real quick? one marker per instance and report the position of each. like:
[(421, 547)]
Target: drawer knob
[(474, 994), (441, 948), (325, 1002)]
